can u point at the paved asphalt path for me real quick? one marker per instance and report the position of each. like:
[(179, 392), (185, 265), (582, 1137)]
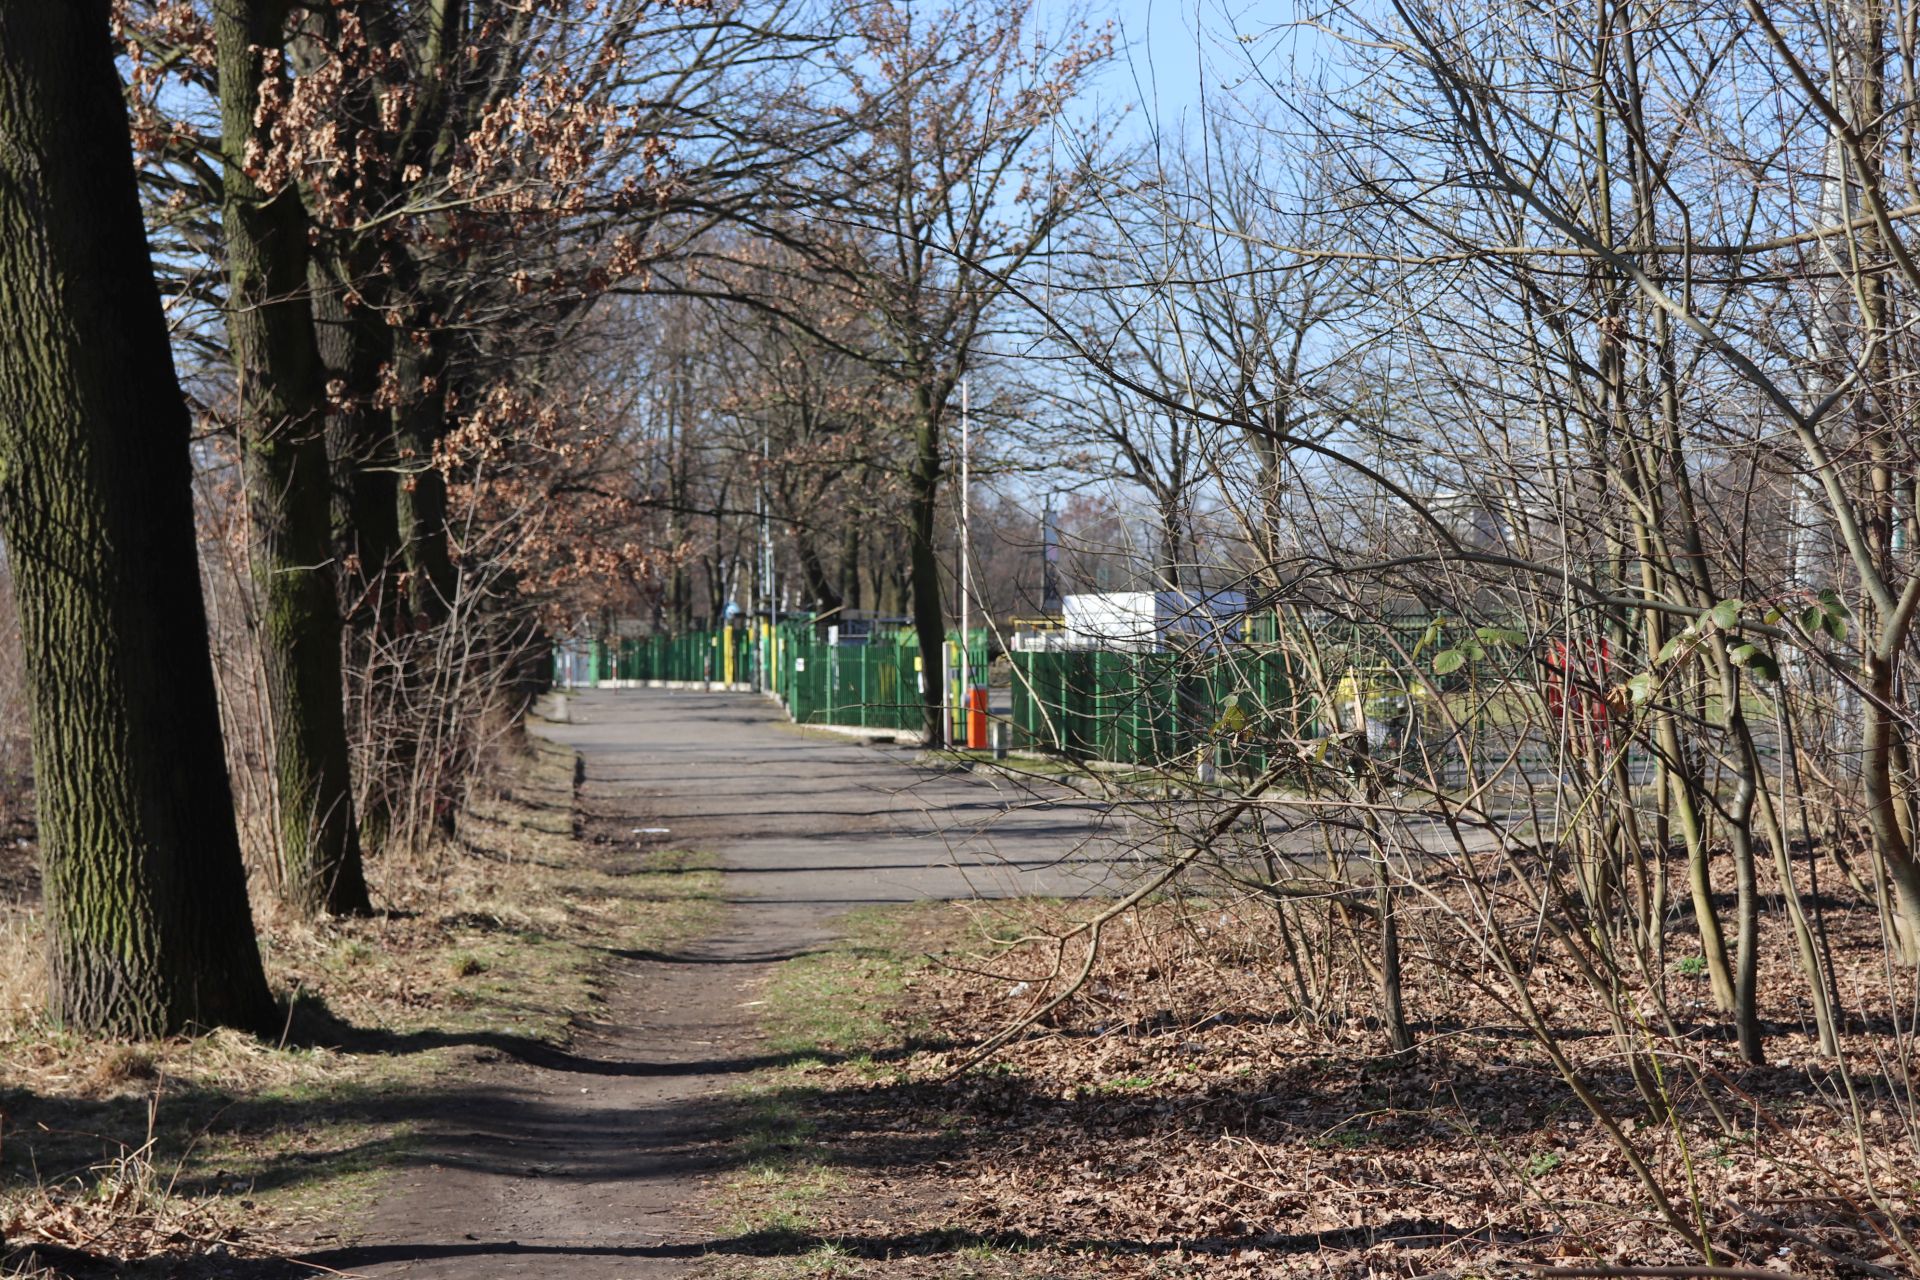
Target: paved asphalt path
[(588, 1164), (806, 816)]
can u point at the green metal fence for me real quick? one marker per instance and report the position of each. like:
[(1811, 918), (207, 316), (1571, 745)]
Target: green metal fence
[(1231, 703), (1147, 708), (1236, 701), (875, 684), (725, 655), (1152, 708), (695, 656)]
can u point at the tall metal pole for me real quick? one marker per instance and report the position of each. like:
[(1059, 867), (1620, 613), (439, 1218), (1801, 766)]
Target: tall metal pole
[(766, 566), (966, 582), (759, 588)]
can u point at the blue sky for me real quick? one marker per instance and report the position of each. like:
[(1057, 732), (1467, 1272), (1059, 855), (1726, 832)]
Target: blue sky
[(1163, 44), (1174, 55)]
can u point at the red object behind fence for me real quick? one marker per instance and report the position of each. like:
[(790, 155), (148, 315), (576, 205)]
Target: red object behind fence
[(1577, 682)]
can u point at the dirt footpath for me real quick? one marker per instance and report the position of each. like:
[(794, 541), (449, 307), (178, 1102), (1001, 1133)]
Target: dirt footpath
[(586, 1164)]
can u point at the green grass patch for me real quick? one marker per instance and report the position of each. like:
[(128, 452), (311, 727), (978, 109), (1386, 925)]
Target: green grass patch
[(837, 1006), (835, 1002), (1126, 1084)]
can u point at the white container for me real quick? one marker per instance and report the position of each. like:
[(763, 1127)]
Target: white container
[(1149, 621)]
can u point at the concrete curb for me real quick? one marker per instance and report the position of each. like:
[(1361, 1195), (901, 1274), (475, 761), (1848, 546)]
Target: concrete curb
[(558, 713), (693, 686), (907, 737)]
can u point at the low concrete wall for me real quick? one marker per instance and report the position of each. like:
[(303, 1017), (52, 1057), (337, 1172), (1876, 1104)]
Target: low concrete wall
[(695, 686), (909, 736)]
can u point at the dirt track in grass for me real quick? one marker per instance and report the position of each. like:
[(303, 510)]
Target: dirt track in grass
[(590, 1162)]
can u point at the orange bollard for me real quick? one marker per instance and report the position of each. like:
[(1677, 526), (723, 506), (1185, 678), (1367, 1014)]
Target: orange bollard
[(976, 719)]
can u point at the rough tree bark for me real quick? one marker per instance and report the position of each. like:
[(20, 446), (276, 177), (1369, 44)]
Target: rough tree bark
[(929, 606), (283, 415), (352, 342), (150, 928), (850, 563), (419, 422)]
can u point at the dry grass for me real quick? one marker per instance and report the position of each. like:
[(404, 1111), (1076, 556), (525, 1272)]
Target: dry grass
[(126, 1208), (483, 949)]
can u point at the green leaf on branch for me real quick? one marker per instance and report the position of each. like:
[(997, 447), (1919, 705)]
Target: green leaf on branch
[(1829, 614), (1500, 635), (1835, 613), (1640, 687), (1753, 658), (1726, 614), (1669, 649), (1233, 718), (1448, 661)]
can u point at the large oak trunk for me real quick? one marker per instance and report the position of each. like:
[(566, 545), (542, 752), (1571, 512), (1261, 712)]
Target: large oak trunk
[(146, 895)]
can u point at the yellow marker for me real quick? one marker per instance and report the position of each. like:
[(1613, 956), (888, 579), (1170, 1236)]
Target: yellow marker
[(956, 698), (726, 653)]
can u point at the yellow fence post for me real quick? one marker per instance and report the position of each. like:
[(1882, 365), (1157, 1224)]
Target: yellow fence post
[(726, 653), (950, 672)]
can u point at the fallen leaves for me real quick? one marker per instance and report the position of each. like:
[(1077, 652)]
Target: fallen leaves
[(1182, 1114)]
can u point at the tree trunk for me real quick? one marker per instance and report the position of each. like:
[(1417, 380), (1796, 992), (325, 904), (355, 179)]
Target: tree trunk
[(1393, 1010), (850, 562), (929, 611), (1173, 544), (1883, 799), (419, 421), (820, 589), (352, 341), (146, 897), (283, 429), (1272, 479)]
